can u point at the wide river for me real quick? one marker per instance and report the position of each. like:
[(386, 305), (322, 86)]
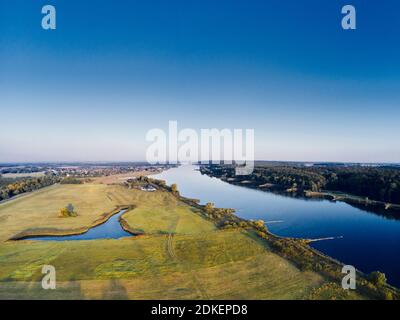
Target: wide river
[(368, 241)]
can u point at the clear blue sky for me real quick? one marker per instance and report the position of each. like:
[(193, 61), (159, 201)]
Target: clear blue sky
[(112, 70)]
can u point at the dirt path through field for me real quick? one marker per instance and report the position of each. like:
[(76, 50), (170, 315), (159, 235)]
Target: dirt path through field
[(170, 246)]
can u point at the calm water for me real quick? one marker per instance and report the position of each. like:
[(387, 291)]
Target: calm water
[(111, 229), (370, 242)]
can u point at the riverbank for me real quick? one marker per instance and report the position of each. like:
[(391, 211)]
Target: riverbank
[(384, 208)]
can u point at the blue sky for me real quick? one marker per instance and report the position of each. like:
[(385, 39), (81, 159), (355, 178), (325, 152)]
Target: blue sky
[(112, 70)]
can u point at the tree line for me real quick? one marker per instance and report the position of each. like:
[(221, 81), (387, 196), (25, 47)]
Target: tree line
[(376, 183), (13, 187)]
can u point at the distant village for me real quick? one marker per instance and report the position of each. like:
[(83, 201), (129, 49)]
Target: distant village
[(79, 170)]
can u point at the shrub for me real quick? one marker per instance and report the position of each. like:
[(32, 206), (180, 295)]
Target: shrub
[(174, 188), (68, 211), (377, 278)]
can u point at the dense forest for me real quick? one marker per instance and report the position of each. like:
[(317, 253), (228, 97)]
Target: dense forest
[(10, 187), (376, 183), (380, 184)]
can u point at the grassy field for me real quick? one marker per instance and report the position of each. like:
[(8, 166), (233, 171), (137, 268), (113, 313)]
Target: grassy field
[(212, 265), (159, 212), (181, 255)]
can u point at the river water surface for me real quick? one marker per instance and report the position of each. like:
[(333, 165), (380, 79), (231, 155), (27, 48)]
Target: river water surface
[(368, 241)]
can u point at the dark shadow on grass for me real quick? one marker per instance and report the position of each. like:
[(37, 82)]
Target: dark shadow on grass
[(115, 291)]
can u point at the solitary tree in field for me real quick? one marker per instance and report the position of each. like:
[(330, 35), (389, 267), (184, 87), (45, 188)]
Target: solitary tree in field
[(70, 208), (68, 211)]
